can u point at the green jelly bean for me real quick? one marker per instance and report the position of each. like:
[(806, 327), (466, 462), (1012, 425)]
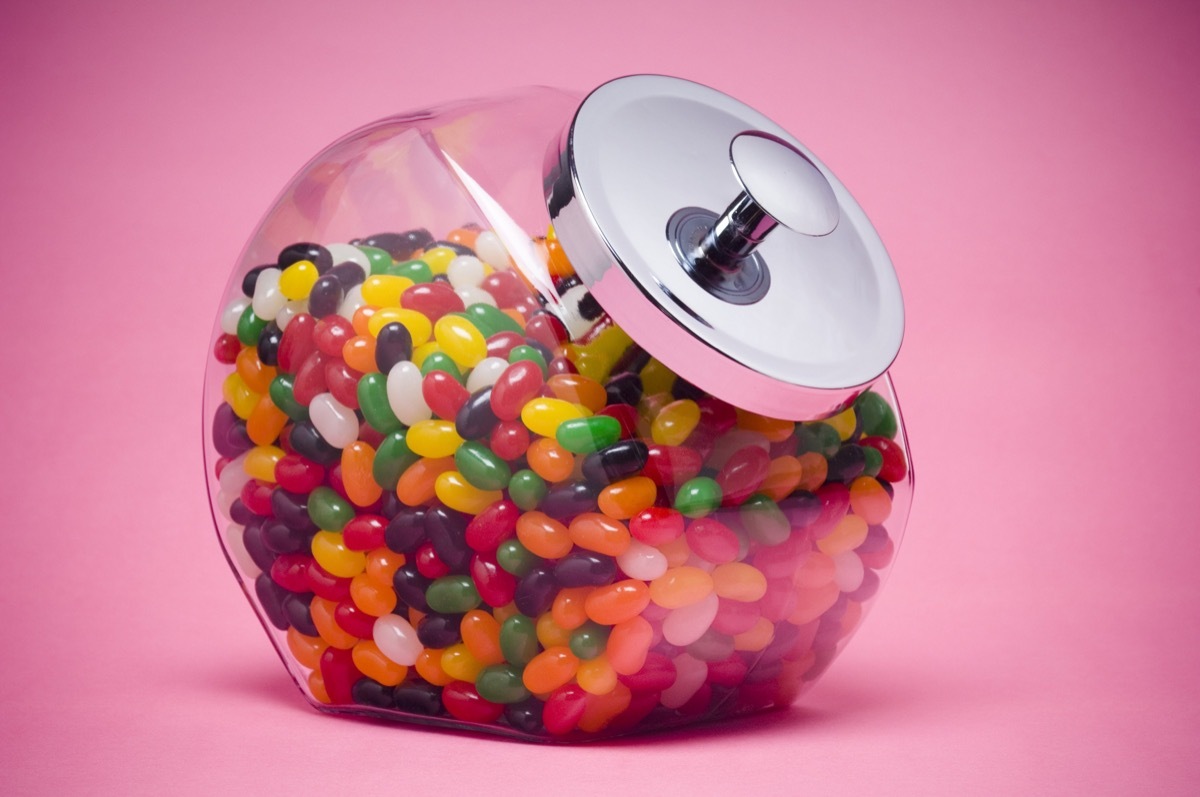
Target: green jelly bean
[(527, 489), (518, 639), (585, 435), (697, 497), (249, 327), (819, 437), (440, 361), (764, 521), (373, 401), (283, 397), (415, 270), (589, 640), (501, 683), (481, 467), (874, 461), (452, 595), (329, 510), (515, 558), (380, 260), (489, 320), (875, 416), (392, 458), (529, 353)]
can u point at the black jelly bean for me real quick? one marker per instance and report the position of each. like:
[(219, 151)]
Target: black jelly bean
[(525, 716), (536, 591), (393, 344), (270, 596), (801, 508), (229, 432), (439, 630), (624, 388), (369, 692), (250, 280), (418, 698), (240, 514), (268, 344), (568, 500), (541, 349), (279, 537), (458, 248), (406, 530), (582, 568), (400, 245), (876, 539), (475, 418), (392, 505), (347, 274), (633, 360), (314, 253), (292, 510), (252, 539), (683, 389), (847, 464), (621, 460), (296, 607), (326, 295), (447, 530), (308, 443), (410, 586)]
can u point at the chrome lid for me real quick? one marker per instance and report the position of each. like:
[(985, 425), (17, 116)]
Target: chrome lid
[(723, 246)]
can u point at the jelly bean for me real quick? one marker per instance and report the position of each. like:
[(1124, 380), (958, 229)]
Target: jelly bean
[(359, 354), (376, 409), (869, 500), (416, 485), (712, 540), (680, 586), (463, 702), (586, 435), (460, 340), (550, 633), (256, 376), (847, 535), (459, 664), (501, 683), (456, 492), (518, 639), (812, 603), (569, 499), (543, 415), (324, 617), (338, 675), (549, 460), (325, 296), (876, 416), (569, 611), (549, 670), (819, 437), (492, 526), (581, 568), (282, 397), (256, 496), (444, 394), (764, 521), (642, 561), (814, 471), (266, 422), (479, 466), (331, 334), (297, 280), (526, 489), (268, 299), (333, 420), (373, 600), (305, 649), (513, 557), (743, 474), (328, 510), (628, 644), (475, 419), (382, 564), (404, 394), (392, 459), (578, 389), (491, 249), (316, 254), (656, 525), (446, 530), (893, 467), (310, 379), (535, 591), (393, 345), (358, 460), (496, 586), (290, 572), (452, 594), (399, 245), (596, 677), (326, 585), (250, 326), (671, 466), (697, 497), (227, 348), (848, 571), (847, 464), (509, 440), (738, 581), (675, 422), (628, 497), (564, 709), (618, 602), (543, 536), (384, 290), (530, 354), (331, 553), (376, 667), (480, 632), (342, 382), (615, 462), (624, 388), (429, 667), (241, 398), (406, 530), (735, 617), (488, 319), (431, 438), (505, 287), (501, 344), (517, 384), (589, 641)]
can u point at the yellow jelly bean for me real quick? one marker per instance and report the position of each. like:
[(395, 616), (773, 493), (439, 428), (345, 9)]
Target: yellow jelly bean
[(420, 353), (460, 340), (438, 258), (383, 290), (550, 634), (297, 280), (738, 581), (417, 323), (675, 422), (657, 378), (843, 423), (331, 553), (757, 638), (543, 415), (433, 438), (260, 462), (596, 676), (237, 395), (460, 664), (453, 490)]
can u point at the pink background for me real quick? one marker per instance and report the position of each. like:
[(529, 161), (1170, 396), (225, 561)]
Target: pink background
[(1033, 168)]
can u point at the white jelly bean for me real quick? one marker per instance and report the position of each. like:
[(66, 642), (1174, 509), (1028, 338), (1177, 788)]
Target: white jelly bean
[(848, 571), (472, 295), (465, 271), (485, 373), (397, 640), (404, 394), (700, 563), (290, 311), (642, 561), (235, 543), (234, 477), (268, 299), (233, 314), (686, 624), (690, 675), (345, 253), (336, 422), (351, 302), (225, 501), (491, 249)]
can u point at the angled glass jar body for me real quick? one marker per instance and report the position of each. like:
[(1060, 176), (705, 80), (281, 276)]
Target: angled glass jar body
[(456, 492)]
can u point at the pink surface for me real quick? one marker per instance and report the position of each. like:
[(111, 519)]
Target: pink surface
[(1033, 169)]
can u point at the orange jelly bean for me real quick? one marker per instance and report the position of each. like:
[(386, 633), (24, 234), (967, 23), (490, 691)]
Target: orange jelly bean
[(569, 610), (599, 533), (817, 570), (307, 650), (359, 353), (773, 429), (429, 667), (596, 676), (481, 634), (812, 603), (252, 371), (783, 476), (382, 564), (681, 586), (617, 602), (549, 633), (358, 459), (868, 499), (543, 535), (550, 460), (757, 637), (676, 551), (600, 710), (550, 669), (578, 389), (624, 499), (362, 320), (738, 581), (374, 599), (316, 685), (371, 662), (416, 484), (847, 535), (266, 422), (322, 611), (815, 469), (628, 643)]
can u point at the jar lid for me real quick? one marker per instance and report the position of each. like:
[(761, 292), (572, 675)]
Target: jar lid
[(723, 246)]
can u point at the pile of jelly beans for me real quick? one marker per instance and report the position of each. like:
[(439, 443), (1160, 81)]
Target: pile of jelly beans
[(449, 510)]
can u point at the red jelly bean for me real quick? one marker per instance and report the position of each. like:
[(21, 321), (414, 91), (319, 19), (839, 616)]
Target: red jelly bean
[(492, 526), (290, 571), (626, 415), (227, 348), (501, 344), (432, 300), (717, 415), (497, 587), (671, 466), (339, 674), (365, 532), (742, 474), (564, 708), (297, 344), (894, 468), (354, 620), (781, 561), (561, 365), (656, 525), (444, 394), (310, 379), (656, 674), (779, 601), (698, 703), (464, 703), (835, 503), (296, 474), (256, 496), (519, 383), (735, 617), (728, 672), (505, 287), (712, 540), (325, 585), (331, 334), (509, 440), (429, 564), (640, 706), (546, 330), (342, 381)]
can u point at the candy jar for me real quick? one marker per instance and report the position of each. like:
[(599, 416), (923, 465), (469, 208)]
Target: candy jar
[(560, 416)]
